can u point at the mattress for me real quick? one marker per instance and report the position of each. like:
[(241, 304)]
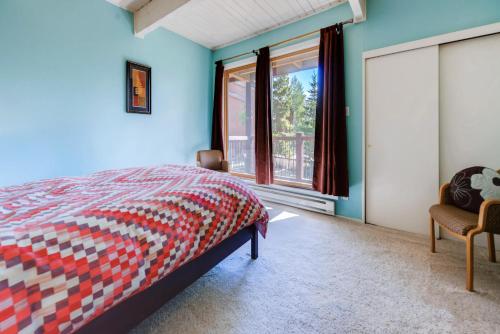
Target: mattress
[(73, 247)]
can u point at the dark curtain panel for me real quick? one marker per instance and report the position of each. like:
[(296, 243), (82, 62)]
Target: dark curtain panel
[(263, 138), (330, 174), (217, 133)]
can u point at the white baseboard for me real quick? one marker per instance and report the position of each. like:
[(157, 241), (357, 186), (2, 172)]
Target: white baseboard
[(298, 198)]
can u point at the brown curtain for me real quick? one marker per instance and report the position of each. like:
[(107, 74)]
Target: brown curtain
[(263, 137), (217, 136), (330, 175)]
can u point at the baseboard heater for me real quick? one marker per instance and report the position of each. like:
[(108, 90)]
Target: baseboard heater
[(296, 198)]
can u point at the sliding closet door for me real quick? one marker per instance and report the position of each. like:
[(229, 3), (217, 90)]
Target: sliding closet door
[(470, 105), (402, 124)]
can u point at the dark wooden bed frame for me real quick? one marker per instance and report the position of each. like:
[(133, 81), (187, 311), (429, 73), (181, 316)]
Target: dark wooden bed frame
[(129, 313)]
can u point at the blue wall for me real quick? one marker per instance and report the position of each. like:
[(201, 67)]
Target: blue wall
[(389, 22), (62, 91), (62, 78)]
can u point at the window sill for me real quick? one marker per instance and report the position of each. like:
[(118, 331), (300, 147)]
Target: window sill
[(280, 182)]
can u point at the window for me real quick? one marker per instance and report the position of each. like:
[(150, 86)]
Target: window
[(240, 115), (293, 115), (293, 111)]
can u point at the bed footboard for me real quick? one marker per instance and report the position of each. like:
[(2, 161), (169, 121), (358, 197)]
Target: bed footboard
[(126, 315)]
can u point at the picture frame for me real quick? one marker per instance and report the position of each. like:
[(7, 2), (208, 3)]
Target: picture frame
[(138, 88)]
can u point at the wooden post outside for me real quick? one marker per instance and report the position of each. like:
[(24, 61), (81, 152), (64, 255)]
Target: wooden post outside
[(248, 127), (299, 156)]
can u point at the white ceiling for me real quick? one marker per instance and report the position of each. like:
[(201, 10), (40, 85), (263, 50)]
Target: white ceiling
[(217, 23)]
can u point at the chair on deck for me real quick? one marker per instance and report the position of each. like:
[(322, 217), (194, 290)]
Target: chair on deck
[(466, 225), (212, 159)]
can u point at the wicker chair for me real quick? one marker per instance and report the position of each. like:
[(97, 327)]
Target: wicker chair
[(465, 226), (212, 159)]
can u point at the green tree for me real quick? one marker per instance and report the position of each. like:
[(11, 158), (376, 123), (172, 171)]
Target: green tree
[(281, 105), (308, 119), (297, 106), (292, 110)]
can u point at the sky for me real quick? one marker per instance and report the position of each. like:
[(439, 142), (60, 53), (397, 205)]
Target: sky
[(305, 78)]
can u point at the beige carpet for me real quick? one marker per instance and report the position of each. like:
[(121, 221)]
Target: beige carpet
[(317, 274)]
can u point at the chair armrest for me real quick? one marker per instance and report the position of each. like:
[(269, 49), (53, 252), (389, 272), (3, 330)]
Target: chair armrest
[(225, 165), (489, 216), (444, 194)]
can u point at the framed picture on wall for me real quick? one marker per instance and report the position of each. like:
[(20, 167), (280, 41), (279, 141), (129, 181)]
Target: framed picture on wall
[(138, 88)]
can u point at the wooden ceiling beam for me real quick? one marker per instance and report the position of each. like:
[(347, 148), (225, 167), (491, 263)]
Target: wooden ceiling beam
[(149, 17), (358, 9)]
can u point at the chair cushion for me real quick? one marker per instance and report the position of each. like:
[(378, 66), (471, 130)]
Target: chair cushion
[(211, 159), (471, 186), (453, 218)]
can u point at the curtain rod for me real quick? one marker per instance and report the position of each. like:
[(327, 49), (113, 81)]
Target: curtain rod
[(283, 42)]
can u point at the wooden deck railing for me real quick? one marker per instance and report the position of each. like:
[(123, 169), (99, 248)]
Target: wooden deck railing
[(293, 156)]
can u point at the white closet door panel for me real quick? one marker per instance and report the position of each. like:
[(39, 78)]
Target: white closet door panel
[(469, 105), (402, 152)]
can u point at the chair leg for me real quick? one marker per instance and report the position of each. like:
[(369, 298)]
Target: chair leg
[(432, 235), (470, 262), (491, 247)]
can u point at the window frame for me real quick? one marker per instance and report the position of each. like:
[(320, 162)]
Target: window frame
[(227, 73)]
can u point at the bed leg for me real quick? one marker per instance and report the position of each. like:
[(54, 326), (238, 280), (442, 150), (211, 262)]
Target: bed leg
[(255, 243)]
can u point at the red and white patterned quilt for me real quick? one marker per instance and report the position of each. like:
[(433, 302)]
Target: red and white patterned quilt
[(70, 248)]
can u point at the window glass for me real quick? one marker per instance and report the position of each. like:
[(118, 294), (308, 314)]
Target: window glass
[(240, 92), (295, 89), (294, 93)]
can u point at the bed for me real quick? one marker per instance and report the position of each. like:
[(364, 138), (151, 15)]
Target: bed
[(101, 253)]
